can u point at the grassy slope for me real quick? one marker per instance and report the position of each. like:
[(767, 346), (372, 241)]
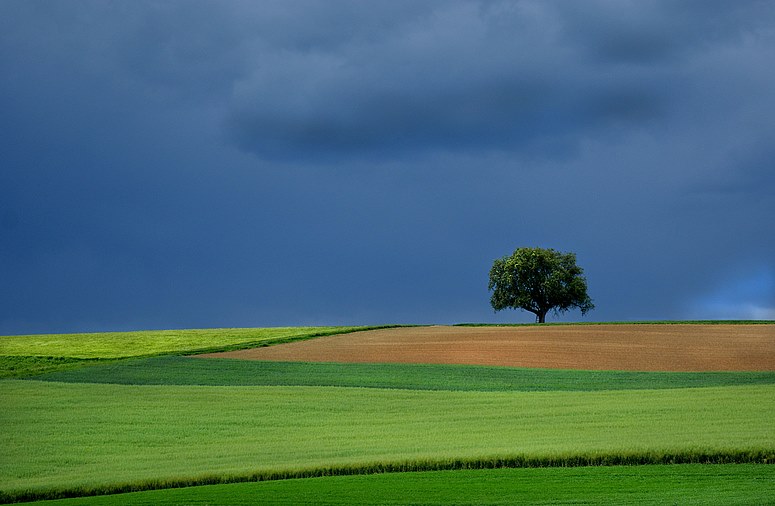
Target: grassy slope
[(59, 435), (734, 484), (199, 371), (66, 436), (156, 342), (22, 366), (21, 356)]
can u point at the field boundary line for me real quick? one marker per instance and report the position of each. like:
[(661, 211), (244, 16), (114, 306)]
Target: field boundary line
[(272, 342)]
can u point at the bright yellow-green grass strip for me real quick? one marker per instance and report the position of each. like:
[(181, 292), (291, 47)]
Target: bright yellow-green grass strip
[(155, 342), (79, 436)]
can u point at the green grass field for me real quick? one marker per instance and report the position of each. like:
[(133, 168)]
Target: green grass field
[(106, 426), (21, 356), (722, 485), (61, 436), (157, 342), (176, 370)]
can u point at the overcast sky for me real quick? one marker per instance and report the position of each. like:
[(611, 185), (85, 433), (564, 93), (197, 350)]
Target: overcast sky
[(242, 163)]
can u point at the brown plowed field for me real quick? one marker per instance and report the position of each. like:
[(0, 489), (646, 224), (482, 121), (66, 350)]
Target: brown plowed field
[(643, 347)]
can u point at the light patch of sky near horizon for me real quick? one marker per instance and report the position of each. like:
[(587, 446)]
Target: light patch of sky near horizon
[(747, 296)]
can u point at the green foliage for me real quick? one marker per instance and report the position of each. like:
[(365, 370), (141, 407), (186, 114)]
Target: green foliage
[(60, 436), (538, 280), (158, 342), (201, 371), (722, 484)]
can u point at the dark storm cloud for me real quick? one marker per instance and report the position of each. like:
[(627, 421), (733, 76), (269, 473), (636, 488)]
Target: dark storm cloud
[(656, 32), (465, 75), (750, 175), (496, 75), (200, 163)]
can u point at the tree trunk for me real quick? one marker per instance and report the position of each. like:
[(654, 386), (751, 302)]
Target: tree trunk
[(541, 317)]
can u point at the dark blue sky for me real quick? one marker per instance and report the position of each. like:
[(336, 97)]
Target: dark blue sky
[(211, 164)]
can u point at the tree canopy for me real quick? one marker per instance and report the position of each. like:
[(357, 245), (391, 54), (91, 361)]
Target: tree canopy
[(539, 280)]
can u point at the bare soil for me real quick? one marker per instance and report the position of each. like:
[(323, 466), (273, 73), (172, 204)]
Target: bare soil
[(642, 347)]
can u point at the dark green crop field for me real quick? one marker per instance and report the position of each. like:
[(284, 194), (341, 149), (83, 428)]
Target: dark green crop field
[(686, 484), (176, 370), (236, 432)]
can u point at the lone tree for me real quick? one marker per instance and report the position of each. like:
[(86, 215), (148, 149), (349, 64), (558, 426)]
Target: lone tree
[(539, 280)]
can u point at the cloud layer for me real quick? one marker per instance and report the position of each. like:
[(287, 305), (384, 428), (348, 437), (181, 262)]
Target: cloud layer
[(281, 163)]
